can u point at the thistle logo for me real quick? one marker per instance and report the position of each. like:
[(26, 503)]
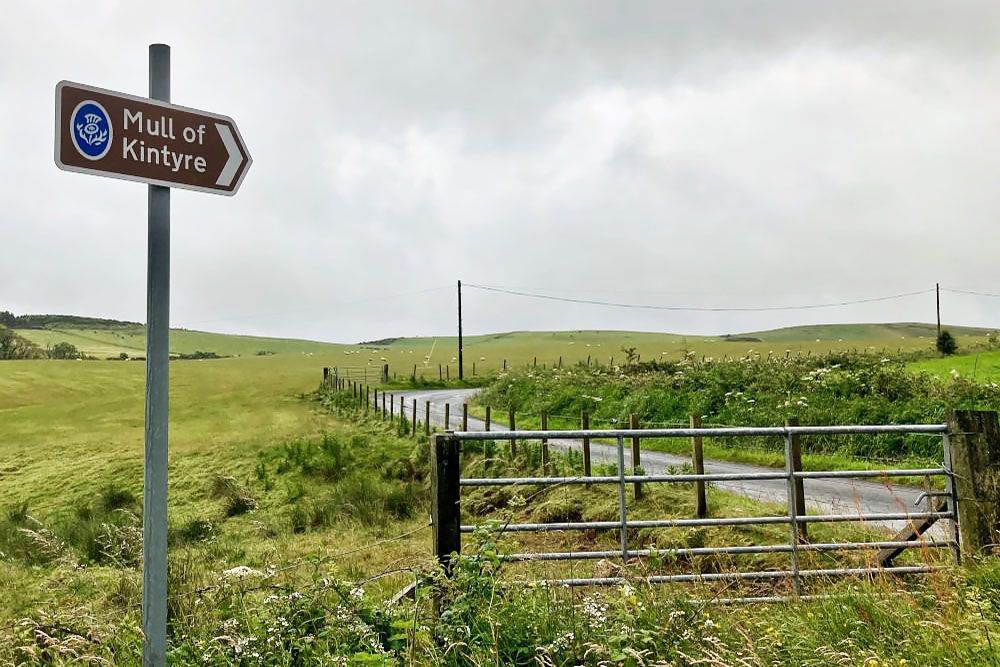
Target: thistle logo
[(91, 130)]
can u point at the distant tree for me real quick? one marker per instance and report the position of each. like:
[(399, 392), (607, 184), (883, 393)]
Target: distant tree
[(13, 346), (123, 356), (64, 350), (946, 343), (7, 318)]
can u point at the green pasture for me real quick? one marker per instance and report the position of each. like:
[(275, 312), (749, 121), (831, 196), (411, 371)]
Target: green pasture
[(519, 348), (485, 354), (67, 427), (110, 342), (262, 478), (982, 367)]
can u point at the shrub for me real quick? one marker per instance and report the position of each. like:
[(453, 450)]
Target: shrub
[(113, 497), (64, 350), (946, 343), (836, 388)]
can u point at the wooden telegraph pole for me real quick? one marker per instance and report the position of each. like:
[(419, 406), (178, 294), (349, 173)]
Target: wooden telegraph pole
[(937, 291), (461, 369)]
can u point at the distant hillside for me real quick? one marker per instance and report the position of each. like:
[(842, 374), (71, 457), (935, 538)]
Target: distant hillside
[(490, 351), (102, 338), (112, 342), (861, 332)]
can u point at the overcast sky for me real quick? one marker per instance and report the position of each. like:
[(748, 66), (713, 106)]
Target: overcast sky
[(710, 154)]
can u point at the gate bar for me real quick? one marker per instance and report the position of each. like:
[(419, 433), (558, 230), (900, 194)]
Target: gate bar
[(707, 477), (778, 431), (709, 551), (730, 521), (731, 576)]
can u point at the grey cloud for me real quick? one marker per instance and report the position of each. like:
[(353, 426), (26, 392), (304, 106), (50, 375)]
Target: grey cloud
[(709, 153)]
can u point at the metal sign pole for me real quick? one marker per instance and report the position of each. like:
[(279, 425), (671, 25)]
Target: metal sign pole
[(154, 499)]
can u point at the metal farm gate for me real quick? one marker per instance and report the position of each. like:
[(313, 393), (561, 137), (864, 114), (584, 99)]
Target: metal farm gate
[(448, 527)]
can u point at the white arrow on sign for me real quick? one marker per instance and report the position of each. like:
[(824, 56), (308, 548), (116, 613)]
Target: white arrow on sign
[(235, 156)]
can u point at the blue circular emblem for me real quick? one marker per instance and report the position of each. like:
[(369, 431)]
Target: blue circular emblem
[(91, 130)]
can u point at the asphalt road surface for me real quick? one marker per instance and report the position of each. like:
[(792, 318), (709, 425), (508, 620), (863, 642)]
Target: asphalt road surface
[(826, 496)]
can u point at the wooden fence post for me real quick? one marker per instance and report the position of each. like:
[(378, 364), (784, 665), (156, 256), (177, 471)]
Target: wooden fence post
[(375, 400), (974, 438), (633, 423), (427, 417), (440, 373), (473, 369), (392, 406), (698, 462), (513, 427), (505, 364), (326, 375), (384, 412), (489, 417), (800, 494), (465, 416), (545, 445), (447, 373), (414, 429), (402, 409), (446, 514), (585, 425), (447, 416)]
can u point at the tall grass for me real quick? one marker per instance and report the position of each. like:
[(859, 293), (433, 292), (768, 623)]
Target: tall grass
[(836, 388)]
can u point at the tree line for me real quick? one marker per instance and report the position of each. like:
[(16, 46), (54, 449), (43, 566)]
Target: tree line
[(13, 346), (12, 321)]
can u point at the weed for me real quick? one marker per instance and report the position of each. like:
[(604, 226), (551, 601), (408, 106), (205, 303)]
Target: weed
[(237, 497), (196, 530)]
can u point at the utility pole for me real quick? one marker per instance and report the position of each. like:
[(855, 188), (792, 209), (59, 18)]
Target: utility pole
[(937, 291), (461, 370)]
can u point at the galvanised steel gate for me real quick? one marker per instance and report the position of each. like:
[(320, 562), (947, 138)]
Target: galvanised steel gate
[(447, 483)]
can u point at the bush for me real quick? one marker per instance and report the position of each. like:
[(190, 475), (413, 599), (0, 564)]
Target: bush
[(64, 350), (836, 388), (13, 346), (946, 343)]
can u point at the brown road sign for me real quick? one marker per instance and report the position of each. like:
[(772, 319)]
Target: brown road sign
[(105, 133)]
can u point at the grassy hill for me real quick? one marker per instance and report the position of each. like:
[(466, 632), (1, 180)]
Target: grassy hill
[(518, 348), (110, 342), (106, 338)]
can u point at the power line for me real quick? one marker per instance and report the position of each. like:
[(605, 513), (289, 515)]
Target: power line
[(965, 291), (755, 309)]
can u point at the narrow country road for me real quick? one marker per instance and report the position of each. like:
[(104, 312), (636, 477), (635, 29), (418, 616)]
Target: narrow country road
[(830, 496)]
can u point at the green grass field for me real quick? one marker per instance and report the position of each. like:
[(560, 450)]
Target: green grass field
[(487, 353), (103, 343), (519, 348), (67, 427), (982, 367), (71, 441)]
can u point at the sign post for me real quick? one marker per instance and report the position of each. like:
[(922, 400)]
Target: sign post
[(151, 141), (154, 495)]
